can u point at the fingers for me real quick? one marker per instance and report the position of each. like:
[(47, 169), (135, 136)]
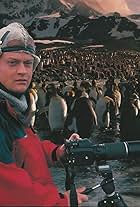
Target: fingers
[(60, 152), (81, 197), (74, 136), (80, 189)]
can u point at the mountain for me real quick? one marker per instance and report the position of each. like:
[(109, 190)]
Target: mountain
[(134, 16), (84, 10), (25, 11), (81, 28), (70, 20), (100, 29)]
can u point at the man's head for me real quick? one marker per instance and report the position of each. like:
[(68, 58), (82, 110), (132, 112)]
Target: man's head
[(17, 58)]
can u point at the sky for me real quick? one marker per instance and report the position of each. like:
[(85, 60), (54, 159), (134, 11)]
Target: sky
[(134, 5), (125, 7)]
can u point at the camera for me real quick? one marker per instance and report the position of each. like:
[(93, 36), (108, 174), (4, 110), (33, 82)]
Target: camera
[(84, 152)]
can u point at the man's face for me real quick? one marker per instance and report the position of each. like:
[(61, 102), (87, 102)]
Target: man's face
[(16, 70)]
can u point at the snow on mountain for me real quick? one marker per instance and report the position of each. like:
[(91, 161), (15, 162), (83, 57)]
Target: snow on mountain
[(134, 16), (53, 41), (120, 35), (67, 4), (54, 15), (135, 19), (47, 26)]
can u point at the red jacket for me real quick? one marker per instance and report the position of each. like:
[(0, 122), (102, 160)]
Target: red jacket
[(28, 182)]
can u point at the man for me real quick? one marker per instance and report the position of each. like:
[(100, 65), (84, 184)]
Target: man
[(25, 179)]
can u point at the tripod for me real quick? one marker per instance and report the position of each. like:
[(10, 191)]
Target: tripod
[(112, 198)]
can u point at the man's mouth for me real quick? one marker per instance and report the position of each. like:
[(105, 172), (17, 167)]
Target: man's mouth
[(21, 81)]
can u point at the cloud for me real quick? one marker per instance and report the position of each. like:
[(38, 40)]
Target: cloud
[(134, 5), (107, 6), (124, 7)]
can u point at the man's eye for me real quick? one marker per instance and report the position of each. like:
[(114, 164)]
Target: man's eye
[(28, 63), (12, 62)]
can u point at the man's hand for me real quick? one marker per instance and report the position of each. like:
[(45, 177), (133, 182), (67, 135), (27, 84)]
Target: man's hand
[(61, 150)]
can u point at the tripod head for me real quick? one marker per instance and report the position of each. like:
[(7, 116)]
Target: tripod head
[(112, 198)]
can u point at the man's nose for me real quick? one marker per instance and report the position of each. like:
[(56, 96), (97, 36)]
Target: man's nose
[(22, 68)]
